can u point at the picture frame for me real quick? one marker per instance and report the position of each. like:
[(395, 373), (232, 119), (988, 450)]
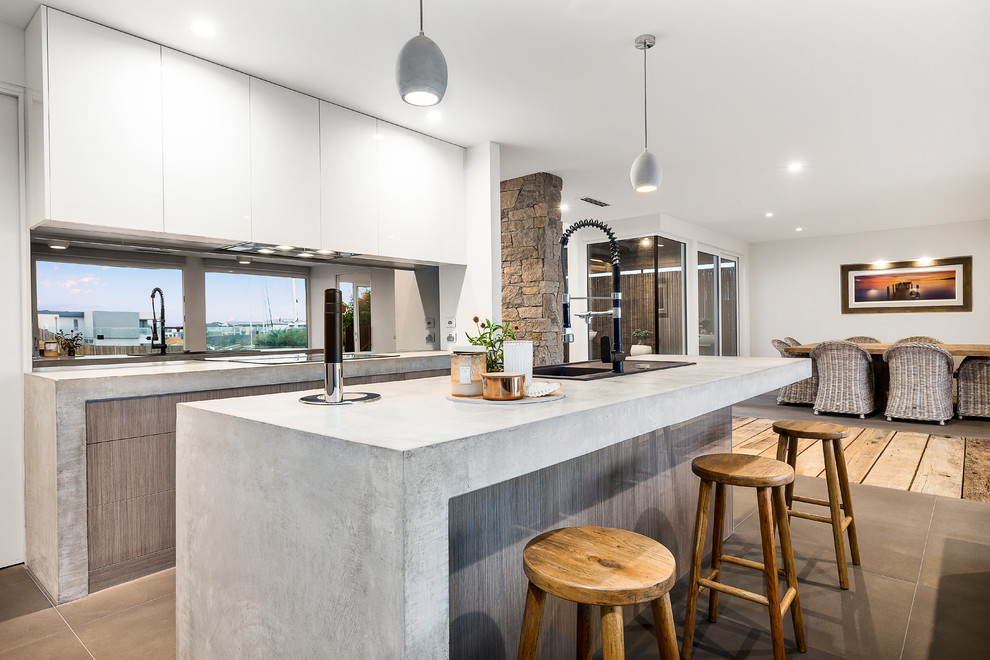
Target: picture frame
[(920, 285)]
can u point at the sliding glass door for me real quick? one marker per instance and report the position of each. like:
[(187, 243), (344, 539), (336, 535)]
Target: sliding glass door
[(718, 326), (652, 281)]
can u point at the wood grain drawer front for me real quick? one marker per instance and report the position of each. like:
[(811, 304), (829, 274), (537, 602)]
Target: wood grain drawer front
[(132, 528), (132, 467), (114, 419)]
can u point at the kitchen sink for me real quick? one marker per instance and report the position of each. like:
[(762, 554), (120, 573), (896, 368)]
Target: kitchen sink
[(593, 370)]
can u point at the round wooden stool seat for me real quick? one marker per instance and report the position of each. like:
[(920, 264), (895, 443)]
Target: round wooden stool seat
[(599, 566), (811, 430), (743, 470)]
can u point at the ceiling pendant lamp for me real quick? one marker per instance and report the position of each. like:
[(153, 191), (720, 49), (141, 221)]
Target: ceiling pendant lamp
[(645, 172), (421, 70)]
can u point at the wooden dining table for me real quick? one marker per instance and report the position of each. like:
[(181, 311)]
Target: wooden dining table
[(881, 374)]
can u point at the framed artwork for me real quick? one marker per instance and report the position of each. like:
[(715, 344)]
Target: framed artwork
[(930, 285)]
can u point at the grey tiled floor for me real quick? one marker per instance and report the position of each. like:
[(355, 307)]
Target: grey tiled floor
[(922, 591)]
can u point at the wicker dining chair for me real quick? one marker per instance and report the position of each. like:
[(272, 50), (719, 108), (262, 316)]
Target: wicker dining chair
[(803, 391), (844, 373), (791, 341), (863, 339), (974, 387), (920, 382), (918, 339)]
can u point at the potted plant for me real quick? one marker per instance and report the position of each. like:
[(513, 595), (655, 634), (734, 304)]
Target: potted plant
[(68, 343), (492, 336), (641, 335)]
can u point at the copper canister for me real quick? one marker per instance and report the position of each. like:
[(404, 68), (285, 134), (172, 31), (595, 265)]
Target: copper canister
[(503, 386)]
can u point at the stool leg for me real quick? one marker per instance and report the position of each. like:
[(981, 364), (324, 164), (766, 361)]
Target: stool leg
[(718, 525), (832, 480), (792, 452), (529, 641), (663, 621), (697, 554), (770, 571), (585, 635), (847, 503), (787, 550), (613, 644)]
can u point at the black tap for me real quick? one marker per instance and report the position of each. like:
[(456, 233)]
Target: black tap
[(611, 351), (154, 321)]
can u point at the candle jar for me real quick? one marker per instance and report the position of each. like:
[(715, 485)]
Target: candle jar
[(467, 364)]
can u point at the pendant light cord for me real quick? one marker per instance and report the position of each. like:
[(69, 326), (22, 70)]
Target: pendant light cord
[(646, 124), (421, 16)]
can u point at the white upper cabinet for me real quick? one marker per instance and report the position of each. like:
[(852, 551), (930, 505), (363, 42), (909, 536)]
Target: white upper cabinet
[(206, 125), (405, 229), (349, 170), (285, 166), (444, 198), (104, 111)]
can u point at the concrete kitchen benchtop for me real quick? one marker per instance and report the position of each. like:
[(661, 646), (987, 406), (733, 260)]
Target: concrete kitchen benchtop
[(352, 504), (55, 439)]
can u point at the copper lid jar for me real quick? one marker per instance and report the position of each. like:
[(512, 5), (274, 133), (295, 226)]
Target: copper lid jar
[(467, 364), (503, 386)]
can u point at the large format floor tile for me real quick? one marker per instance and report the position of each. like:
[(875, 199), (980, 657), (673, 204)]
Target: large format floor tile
[(26, 615), (63, 646), (119, 598), (145, 632)]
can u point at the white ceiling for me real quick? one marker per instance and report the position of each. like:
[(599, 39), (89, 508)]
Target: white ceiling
[(887, 101)]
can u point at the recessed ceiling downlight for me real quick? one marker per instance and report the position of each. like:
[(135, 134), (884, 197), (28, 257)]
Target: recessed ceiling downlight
[(769, 214), (266, 251), (243, 259), (58, 245), (795, 167), (284, 248)]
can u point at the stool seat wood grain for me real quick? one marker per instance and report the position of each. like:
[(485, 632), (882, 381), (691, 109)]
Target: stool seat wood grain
[(599, 566), (839, 500), (811, 430), (743, 470)]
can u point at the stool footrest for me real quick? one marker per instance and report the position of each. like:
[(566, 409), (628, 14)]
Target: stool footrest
[(739, 561), (788, 598), (809, 516), (734, 591), (810, 500)]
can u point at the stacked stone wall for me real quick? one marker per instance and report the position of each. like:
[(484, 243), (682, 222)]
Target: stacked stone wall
[(531, 274)]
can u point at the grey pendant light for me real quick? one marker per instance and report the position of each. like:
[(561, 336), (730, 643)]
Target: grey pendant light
[(421, 70), (645, 172)]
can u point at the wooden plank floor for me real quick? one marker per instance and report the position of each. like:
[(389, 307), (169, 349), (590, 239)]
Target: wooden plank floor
[(919, 462)]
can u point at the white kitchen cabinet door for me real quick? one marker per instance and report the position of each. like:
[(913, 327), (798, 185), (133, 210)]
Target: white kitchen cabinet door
[(405, 228), (104, 109), (349, 170), (206, 127), (285, 166), (444, 198)]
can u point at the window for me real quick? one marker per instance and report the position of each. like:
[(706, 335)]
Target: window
[(652, 280), (110, 306), (717, 305), (245, 311)]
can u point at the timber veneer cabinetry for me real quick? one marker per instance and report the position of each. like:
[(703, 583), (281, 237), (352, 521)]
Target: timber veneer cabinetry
[(130, 476), (132, 137)]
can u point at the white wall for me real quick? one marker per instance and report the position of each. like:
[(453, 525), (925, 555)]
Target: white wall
[(694, 237), (12, 55), (795, 286), (13, 360)]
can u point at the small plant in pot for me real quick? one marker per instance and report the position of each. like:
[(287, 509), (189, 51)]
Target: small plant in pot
[(491, 336), (68, 343), (642, 336)]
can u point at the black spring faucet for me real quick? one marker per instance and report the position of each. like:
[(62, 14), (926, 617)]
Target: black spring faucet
[(154, 322), (611, 350)]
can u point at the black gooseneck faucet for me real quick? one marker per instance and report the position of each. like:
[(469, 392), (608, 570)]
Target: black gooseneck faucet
[(610, 353), (154, 321)]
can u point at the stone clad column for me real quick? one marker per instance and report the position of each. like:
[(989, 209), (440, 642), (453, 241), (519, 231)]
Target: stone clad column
[(531, 276)]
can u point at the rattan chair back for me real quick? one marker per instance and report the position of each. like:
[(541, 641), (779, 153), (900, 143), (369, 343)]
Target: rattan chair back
[(974, 387), (801, 392), (863, 339), (844, 373), (920, 381), (791, 341), (919, 339)]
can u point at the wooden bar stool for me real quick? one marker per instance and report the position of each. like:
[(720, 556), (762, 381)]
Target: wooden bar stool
[(598, 566), (841, 512), (769, 478)]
